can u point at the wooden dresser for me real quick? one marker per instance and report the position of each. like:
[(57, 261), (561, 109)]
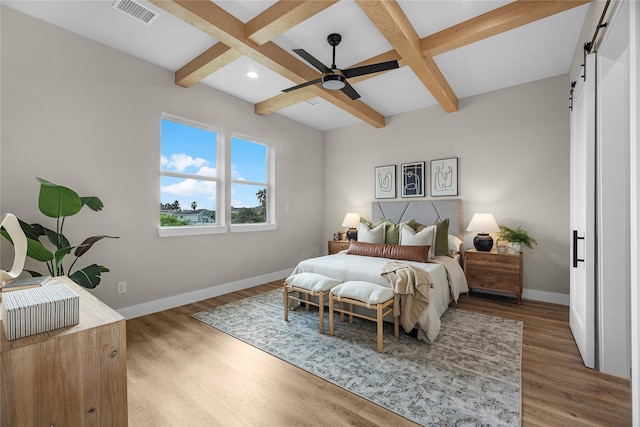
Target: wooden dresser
[(73, 376), (494, 271)]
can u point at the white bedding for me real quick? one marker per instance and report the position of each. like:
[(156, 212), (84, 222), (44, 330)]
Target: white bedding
[(355, 267)]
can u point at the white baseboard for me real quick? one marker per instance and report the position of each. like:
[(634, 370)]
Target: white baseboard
[(544, 296), (155, 306), (199, 295), (532, 294)]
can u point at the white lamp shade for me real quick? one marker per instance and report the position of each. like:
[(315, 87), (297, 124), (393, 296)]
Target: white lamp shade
[(351, 220), (483, 223)]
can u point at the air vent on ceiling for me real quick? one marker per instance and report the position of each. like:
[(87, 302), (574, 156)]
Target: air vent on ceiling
[(136, 10)]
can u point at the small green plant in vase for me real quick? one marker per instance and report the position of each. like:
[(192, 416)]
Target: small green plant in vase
[(516, 237)]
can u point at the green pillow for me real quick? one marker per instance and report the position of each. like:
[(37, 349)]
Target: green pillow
[(392, 230), (442, 238)]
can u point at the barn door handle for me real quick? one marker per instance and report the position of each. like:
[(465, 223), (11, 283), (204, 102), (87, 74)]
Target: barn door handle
[(576, 260)]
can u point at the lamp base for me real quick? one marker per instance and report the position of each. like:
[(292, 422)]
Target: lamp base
[(352, 234), (483, 242)]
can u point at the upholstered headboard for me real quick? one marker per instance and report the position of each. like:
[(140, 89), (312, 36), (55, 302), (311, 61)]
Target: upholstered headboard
[(423, 211)]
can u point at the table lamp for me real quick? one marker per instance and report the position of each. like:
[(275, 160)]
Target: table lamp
[(351, 220), (483, 224)]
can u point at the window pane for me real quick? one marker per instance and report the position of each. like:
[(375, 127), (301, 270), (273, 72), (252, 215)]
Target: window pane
[(187, 149), (248, 161), (187, 202), (248, 203)]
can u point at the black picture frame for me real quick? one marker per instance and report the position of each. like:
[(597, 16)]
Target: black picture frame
[(413, 179)]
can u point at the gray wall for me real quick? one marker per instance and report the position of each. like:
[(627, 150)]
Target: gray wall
[(513, 150), (86, 116)]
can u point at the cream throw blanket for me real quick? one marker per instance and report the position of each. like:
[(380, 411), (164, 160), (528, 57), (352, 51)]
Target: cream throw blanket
[(412, 284)]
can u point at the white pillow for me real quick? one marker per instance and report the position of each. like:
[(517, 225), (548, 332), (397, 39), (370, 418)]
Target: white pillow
[(425, 237), (371, 235), (311, 281), (454, 244)]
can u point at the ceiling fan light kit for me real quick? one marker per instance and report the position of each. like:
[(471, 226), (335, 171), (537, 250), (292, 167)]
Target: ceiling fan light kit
[(333, 81), (334, 78)]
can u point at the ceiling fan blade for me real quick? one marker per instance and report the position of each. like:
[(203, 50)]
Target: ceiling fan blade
[(350, 91), (311, 60), (369, 69), (309, 83)]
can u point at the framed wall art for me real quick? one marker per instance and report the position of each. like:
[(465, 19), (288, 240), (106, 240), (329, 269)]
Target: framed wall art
[(444, 177), (385, 182), (413, 179)]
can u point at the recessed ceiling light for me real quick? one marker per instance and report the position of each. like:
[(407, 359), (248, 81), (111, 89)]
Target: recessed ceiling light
[(252, 74)]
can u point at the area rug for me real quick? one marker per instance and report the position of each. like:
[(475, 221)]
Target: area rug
[(470, 376)]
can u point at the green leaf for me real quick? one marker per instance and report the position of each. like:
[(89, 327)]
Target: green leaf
[(37, 251), (56, 201), (93, 202), (33, 273), (88, 277), (57, 240), (32, 231), (59, 257), (88, 243)]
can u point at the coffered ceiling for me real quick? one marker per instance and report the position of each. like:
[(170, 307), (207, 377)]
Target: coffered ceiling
[(446, 50)]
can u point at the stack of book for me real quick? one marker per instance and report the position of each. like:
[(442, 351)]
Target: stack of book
[(26, 283)]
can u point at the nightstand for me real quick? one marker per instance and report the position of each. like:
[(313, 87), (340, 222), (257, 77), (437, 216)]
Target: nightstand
[(337, 246), (494, 271)]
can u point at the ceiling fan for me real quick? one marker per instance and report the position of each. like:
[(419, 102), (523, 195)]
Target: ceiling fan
[(334, 78)]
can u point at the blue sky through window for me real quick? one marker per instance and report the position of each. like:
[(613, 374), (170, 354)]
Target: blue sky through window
[(192, 150), (248, 163)]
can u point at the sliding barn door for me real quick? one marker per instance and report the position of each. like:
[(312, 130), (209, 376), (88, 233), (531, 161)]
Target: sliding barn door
[(583, 184), (614, 263)]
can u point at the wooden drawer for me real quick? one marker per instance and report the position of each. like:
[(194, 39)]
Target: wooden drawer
[(337, 246), (497, 280), (493, 259)]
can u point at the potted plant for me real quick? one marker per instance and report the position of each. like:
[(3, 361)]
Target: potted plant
[(516, 237), (56, 201)]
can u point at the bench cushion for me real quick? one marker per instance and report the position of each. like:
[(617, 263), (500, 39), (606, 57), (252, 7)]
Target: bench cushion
[(313, 282), (366, 292)]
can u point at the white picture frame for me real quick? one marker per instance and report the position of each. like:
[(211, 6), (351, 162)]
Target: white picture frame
[(385, 177), (444, 177)]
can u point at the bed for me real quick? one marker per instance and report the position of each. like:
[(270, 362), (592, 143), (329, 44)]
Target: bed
[(445, 271)]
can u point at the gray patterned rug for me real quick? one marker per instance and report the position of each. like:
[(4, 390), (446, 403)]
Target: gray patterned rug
[(470, 376)]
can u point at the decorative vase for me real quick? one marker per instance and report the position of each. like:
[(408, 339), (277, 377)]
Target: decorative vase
[(515, 247)]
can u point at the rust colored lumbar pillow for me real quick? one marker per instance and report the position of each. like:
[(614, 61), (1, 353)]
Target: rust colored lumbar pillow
[(383, 250)]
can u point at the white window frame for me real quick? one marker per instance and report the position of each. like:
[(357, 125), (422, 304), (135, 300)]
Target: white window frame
[(220, 226), (269, 185)]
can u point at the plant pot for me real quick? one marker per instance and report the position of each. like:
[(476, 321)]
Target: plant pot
[(515, 247)]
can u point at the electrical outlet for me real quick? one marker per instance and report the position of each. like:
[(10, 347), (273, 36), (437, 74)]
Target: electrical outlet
[(122, 287)]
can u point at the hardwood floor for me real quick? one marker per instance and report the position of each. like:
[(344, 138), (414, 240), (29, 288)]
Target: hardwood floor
[(182, 372)]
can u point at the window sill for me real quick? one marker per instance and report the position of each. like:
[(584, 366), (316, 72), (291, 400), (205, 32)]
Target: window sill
[(191, 231), (241, 228)]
